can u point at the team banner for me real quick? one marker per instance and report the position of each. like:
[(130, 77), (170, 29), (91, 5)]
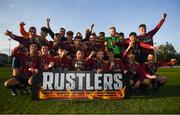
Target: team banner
[(77, 85)]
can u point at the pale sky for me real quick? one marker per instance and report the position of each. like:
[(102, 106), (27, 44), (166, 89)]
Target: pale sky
[(77, 15)]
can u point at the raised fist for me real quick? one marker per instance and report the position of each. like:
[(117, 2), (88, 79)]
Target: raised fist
[(93, 53), (22, 23), (165, 15), (7, 33), (48, 20)]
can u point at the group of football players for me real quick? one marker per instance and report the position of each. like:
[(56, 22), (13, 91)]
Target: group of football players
[(133, 57)]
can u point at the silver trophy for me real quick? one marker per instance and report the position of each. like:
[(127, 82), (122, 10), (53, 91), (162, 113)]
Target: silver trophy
[(78, 65)]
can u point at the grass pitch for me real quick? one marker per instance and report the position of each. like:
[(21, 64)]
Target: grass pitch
[(167, 100)]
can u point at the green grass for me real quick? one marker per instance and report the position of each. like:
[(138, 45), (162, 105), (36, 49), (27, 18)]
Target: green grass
[(167, 100)]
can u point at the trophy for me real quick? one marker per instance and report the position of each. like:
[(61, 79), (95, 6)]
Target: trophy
[(78, 65)]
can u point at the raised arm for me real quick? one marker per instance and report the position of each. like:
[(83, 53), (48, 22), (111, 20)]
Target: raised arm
[(20, 39), (147, 46), (158, 26), (125, 53), (51, 33), (88, 32), (22, 30), (91, 28), (170, 62)]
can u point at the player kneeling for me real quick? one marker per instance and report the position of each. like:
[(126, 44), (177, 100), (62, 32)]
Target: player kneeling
[(150, 67), (135, 72), (27, 69)]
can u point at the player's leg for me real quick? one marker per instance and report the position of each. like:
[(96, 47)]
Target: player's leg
[(158, 82), (30, 80), (126, 81), (136, 84), (23, 86), (13, 84), (16, 66), (144, 85)]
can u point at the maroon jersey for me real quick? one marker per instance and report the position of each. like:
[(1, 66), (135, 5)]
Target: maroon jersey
[(66, 45), (151, 68), (62, 64), (27, 41), (27, 63), (19, 49), (101, 45), (136, 47), (93, 47), (53, 48), (43, 62), (55, 45), (135, 70), (40, 41), (118, 66), (95, 64), (22, 40), (73, 49), (148, 37)]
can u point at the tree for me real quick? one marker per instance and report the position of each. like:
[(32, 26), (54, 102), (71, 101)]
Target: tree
[(166, 51)]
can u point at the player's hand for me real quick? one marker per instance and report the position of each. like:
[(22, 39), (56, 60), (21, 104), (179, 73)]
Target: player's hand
[(87, 30), (155, 47), (51, 65), (48, 20), (22, 23), (125, 71), (130, 44), (173, 61), (137, 84), (153, 77), (112, 64), (105, 43), (92, 25), (99, 70), (7, 33), (29, 69), (92, 54), (113, 43), (164, 16), (64, 53), (46, 67)]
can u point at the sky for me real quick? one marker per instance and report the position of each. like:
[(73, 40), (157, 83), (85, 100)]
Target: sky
[(77, 15)]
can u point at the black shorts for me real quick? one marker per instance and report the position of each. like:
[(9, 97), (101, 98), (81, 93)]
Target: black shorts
[(16, 63), (22, 80), (134, 78)]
